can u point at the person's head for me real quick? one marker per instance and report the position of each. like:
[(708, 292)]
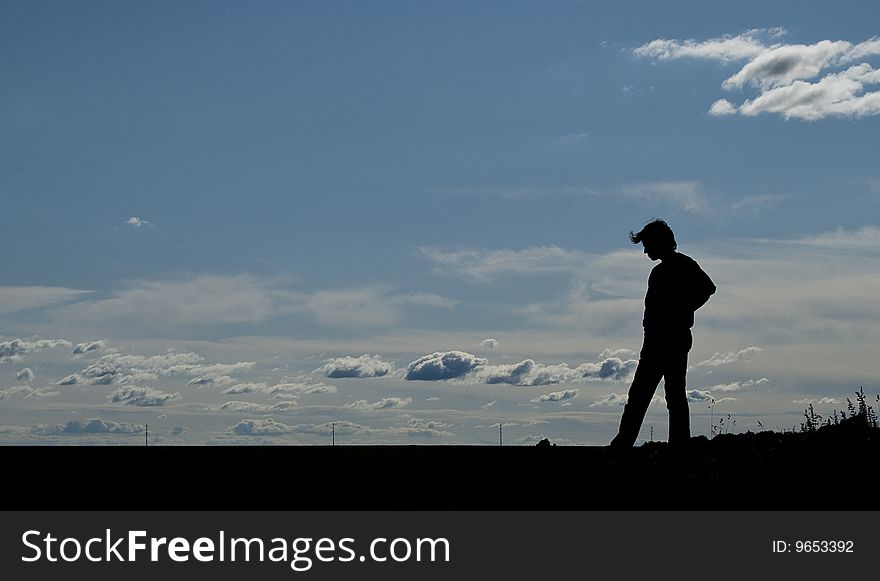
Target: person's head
[(657, 238)]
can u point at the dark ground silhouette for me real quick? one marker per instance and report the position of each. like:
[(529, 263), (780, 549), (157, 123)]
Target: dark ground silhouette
[(832, 467)]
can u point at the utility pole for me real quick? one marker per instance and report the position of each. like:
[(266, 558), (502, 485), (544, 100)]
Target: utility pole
[(500, 435), (333, 432), (146, 434), (652, 433)]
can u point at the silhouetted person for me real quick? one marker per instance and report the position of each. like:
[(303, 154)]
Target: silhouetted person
[(676, 288)]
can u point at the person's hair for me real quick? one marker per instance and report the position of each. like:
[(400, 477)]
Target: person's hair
[(656, 232)]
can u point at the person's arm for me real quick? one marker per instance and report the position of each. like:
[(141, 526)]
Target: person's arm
[(703, 288)]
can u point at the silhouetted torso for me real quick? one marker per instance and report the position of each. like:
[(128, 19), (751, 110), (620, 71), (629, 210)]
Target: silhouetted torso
[(676, 288)]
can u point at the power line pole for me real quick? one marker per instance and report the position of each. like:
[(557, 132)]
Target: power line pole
[(333, 432), (146, 434), (500, 435)]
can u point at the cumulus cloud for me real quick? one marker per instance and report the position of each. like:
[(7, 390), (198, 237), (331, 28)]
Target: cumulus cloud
[(612, 368), (729, 357), (261, 427), (386, 403), (699, 395), (489, 343), (363, 366), (92, 426), (722, 108), (784, 74), (557, 396), (138, 223), (81, 348), (116, 368), (468, 368), (439, 366), (525, 373), (141, 396), (836, 95), (15, 349), (610, 400), (26, 375)]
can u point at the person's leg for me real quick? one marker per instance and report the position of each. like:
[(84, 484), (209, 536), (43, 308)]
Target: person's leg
[(675, 372), (641, 391)]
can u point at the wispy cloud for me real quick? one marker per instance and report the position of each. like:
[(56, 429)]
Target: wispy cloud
[(725, 48), (386, 403), (684, 195), (141, 396), (729, 357), (784, 74), (21, 298)]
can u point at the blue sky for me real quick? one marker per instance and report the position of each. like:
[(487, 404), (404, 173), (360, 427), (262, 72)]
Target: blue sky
[(282, 185)]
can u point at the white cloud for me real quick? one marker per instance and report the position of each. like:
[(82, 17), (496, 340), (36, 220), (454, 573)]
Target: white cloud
[(247, 406), (15, 349), (439, 366), (424, 429), (92, 426), (557, 396), (737, 385), (138, 223), (489, 343), (782, 74), (471, 369), (26, 375), (699, 395), (725, 49), (386, 403), (270, 427), (141, 396), (261, 427), (821, 401), (782, 65), (82, 348), (525, 373), (729, 357), (360, 367), (281, 389), (836, 95), (722, 108), (117, 368), (610, 400), (21, 298)]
